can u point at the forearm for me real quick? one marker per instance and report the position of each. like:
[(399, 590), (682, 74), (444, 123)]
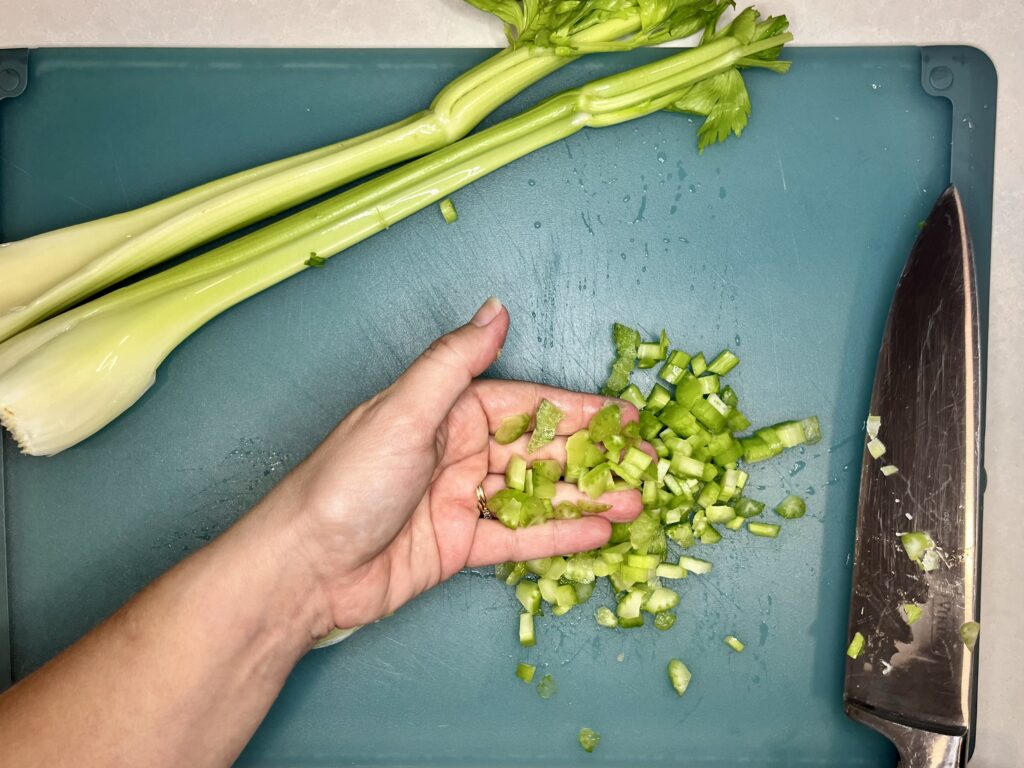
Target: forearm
[(184, 673)]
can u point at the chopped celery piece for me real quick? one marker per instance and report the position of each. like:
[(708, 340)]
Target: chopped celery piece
[(650, 354), (605, 568), (538, 567), (678, 419), (584, 589), (661, 599), (688, 391), (605, 423), (528, 594), (737, 421), (685, 466), (911, 612), (643, 561), (698, 364), (542, 487), (565, 596), (730, 481), (662, 450), (636, 459), (695, 564), (755, 449), (679, 675), (930, 561), (766, 530), (636, 621), (546, 687), (629, 606), (812, 429), (728, 395), (969, 634), (675, 367), (710, 536), (856, 646), (873, 424), (512, 428), (515, 473), (709, 384), (889, 470), (734, 643), (549, 469), (671, 516), (516, 509), (632, 394), (736, 523), (629, 476), (658, 398), (916, 544), (556, 568), (719, 405), (633, 575), (708, 415), (516, 574), (791, 433), (876, 448), (597, 480), (526, 633), (709, 494), (791, 508), (683, 536), (503, 571), (747, 507), (525, 672), (528, 482), (580, 569), (670, 571), (580, 455), (649, 425), (589, 739), (664, 620), (626, 342), (720, 513), (566, 510), (448, 211), (724, 362), (649, 497), (643, 530), (605, 617), (561, 610), (548, 589), (546, 425)]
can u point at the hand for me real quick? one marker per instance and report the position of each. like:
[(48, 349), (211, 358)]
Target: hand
[(386, 507)]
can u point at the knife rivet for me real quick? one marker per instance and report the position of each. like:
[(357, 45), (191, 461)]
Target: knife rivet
[(941, 78)]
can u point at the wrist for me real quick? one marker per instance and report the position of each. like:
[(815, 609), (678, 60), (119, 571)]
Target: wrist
[(278, 545)]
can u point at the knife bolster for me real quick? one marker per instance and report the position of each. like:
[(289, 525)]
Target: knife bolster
[(918, 748)]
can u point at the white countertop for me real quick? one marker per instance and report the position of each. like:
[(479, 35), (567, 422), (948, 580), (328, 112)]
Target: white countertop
[(992, 25)]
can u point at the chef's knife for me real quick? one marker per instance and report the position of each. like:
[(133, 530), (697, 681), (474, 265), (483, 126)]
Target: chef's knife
[(914, 684)]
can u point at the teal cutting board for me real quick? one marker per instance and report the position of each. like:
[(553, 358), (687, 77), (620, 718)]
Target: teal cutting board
[(784, 246)]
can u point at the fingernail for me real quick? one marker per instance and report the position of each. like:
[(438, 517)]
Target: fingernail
[(487, 312)]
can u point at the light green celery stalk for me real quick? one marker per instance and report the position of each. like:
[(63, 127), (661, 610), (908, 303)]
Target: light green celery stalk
[(63, 380), (48, 273)]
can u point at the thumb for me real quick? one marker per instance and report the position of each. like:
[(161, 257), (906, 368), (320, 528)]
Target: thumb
[(441, 374)]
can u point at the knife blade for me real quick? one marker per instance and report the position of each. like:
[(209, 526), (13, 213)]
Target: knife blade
[(914, 684)]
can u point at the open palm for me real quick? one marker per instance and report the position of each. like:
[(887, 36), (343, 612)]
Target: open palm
[(388, 501)]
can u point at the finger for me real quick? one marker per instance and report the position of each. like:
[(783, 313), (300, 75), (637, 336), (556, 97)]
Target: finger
[(624, 505), (499, 455), (507, 398), (494, 543), (437, 378)]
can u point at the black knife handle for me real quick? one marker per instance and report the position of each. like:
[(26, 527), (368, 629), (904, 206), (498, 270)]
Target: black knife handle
[(918, 748)]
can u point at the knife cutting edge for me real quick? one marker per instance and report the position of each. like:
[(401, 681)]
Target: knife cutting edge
[(914, 683)]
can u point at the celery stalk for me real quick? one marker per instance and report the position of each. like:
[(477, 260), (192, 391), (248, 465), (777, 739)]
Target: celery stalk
[(55, 270), (66, 378)]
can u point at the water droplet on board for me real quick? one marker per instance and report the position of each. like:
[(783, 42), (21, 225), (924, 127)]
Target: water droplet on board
[(968, 122), (536, 225), (532, 182), (721, 193), (661, 157), (876, 87), (797, 468)]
